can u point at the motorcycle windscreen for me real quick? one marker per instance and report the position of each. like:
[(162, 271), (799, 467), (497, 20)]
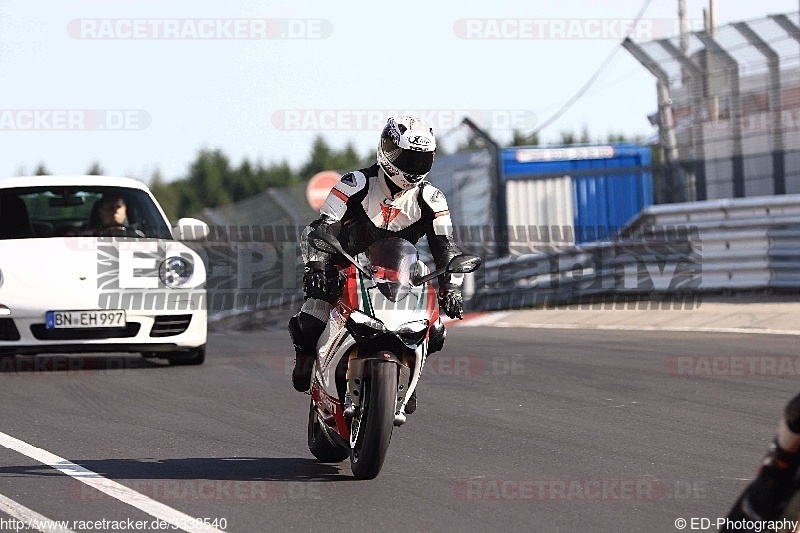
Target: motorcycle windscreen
[(394, 263)]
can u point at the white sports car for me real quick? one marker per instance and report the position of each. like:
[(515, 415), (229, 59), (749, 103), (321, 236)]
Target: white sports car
[(90, 264)]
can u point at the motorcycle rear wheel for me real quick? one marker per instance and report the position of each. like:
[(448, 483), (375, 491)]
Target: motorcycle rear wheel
[(374, 419)]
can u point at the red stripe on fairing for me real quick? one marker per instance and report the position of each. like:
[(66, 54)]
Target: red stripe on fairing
[(441, 214), (350, 294), (433, 305), (332, 349), (324, 400), (340, 195)]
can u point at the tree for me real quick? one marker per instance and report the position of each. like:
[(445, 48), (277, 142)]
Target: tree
[(522, 139), (346, 159), (95, 169), (210, 178), (471, 143), (323, 157), (275, 175), (243, 181), (568, 137), (620, 137), (41, 170), (166, 194), (319, 158), (585, 139)]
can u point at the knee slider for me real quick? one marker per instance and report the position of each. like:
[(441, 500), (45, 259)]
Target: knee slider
[(437, 337), (296, 333), (305, 331)]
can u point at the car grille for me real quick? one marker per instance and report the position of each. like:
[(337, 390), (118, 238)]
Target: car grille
[(169, 325), (41, 332), (8, 331)]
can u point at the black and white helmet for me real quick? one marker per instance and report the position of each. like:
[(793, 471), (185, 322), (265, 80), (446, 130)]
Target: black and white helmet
[(406, 150)]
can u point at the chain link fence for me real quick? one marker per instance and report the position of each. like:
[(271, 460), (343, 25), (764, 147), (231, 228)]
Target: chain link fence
[(728, 109)]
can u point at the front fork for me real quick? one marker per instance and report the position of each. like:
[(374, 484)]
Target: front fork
[(356, 367)]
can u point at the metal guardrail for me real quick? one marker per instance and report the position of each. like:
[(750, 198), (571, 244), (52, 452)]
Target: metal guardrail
[(738, 244)]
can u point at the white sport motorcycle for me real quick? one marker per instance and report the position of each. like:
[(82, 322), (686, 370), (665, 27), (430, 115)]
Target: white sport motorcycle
[(371, 354)]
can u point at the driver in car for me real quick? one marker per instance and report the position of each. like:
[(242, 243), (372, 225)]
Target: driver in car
[(113, 210), (388, 199), (110, 217)]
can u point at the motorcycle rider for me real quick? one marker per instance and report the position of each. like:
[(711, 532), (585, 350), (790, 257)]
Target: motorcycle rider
[(388, 199), (773, 482)]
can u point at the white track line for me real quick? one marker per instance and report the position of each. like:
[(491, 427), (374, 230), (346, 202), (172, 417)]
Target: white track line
[(31, 518), (680, 329), (116, 490)]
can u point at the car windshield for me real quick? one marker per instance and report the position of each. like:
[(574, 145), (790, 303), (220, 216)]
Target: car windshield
[(394, 263), (76, 211)]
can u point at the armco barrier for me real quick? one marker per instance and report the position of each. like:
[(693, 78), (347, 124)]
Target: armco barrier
[(736, 244)]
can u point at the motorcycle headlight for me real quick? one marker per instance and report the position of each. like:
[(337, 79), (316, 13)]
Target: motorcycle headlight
[(176, 271), (412, 333), (363, 326)]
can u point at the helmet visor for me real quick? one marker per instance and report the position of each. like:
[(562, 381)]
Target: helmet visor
[(414, 162)]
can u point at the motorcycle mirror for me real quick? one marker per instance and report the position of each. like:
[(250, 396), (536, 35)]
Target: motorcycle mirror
[(460, 264), (417, 281), (463, 264)]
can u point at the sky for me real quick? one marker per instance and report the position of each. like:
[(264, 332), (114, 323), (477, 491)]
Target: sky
[(142, 85)]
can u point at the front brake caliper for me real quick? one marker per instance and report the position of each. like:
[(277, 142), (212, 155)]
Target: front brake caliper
[(352, 396)]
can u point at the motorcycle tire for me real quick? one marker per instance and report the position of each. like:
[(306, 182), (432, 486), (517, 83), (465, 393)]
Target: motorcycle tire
[(375, 419)]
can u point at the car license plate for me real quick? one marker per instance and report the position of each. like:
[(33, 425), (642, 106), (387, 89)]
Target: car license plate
[(111, 318)]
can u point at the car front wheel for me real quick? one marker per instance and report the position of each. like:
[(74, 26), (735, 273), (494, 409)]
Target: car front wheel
[(194, 357)]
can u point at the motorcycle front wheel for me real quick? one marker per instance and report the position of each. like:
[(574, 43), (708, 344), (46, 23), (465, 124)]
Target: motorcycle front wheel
[(374, 419)]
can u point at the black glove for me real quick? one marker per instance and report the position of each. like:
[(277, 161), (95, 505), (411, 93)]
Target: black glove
[(450, 301), (320, 281)]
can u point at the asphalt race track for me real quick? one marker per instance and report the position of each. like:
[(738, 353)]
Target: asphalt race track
[(517, 430)]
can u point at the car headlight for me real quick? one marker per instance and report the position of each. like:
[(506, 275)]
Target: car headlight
[(363, 327), (412, 333), (176, 271)]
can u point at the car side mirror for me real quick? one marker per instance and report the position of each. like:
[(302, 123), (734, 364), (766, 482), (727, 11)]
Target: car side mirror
[(191, 229)]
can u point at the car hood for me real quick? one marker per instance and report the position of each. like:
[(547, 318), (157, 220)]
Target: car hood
[(74, 263), (43, 264)]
